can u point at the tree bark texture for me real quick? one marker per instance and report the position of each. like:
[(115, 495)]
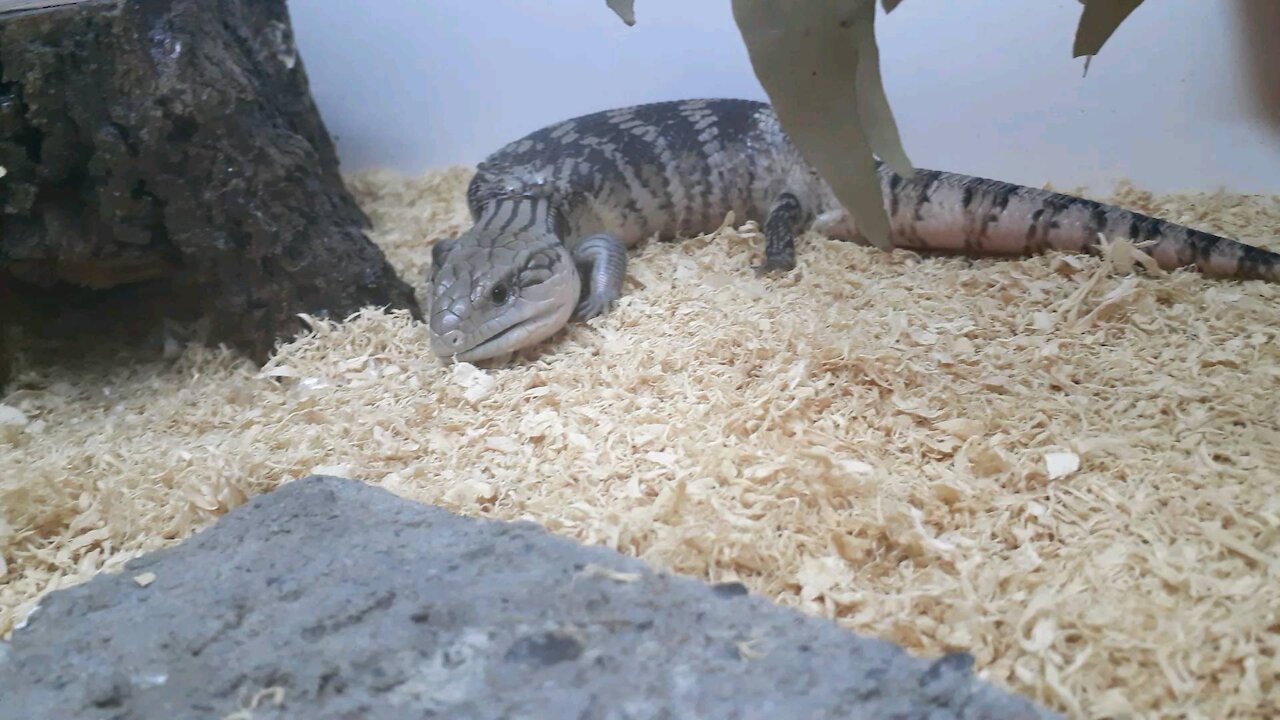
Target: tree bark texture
[(175, 142)]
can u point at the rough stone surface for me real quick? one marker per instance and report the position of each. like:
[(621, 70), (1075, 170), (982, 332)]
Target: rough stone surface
[(357, 604), (175, 143)]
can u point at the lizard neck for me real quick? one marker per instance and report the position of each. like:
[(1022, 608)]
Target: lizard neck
[(507, 219)]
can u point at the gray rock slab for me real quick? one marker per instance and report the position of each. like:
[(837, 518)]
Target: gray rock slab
[(331, 599)]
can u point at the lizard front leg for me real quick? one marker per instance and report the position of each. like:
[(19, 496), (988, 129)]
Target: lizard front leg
[(785, 221), (602, 262)]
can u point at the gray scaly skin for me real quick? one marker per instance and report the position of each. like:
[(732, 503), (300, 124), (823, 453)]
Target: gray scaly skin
[(556, 211)]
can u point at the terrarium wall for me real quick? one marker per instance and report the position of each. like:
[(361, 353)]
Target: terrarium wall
[(1177, 100)]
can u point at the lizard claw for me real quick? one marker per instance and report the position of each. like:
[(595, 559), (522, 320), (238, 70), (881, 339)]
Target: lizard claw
[(591, 307), (774, 267)]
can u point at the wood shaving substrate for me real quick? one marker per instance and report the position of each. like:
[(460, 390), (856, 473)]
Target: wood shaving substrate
[(1065, 468)]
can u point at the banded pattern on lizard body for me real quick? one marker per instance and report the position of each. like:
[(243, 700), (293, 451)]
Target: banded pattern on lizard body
[(556, 210)]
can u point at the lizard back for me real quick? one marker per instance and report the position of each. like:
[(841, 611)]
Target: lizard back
[(667, 168)]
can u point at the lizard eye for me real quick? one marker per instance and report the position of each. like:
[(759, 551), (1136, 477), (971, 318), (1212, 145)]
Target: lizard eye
[(499, 294)]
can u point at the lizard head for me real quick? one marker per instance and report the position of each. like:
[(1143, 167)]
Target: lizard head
[(494, 295)]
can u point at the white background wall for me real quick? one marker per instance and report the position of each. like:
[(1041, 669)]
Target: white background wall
[(986, 87)]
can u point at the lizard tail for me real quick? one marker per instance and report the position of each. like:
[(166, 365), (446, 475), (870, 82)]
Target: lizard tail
[(940, 211)]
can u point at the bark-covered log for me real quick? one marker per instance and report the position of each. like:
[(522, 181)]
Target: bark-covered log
[(176, 142)]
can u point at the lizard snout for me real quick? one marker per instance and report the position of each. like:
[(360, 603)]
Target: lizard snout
[(447, 337)]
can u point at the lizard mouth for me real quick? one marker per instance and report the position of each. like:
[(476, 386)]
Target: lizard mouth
[(515, 337)]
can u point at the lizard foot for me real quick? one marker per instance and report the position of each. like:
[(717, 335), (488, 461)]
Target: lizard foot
[(591, 307), (774, 267)]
